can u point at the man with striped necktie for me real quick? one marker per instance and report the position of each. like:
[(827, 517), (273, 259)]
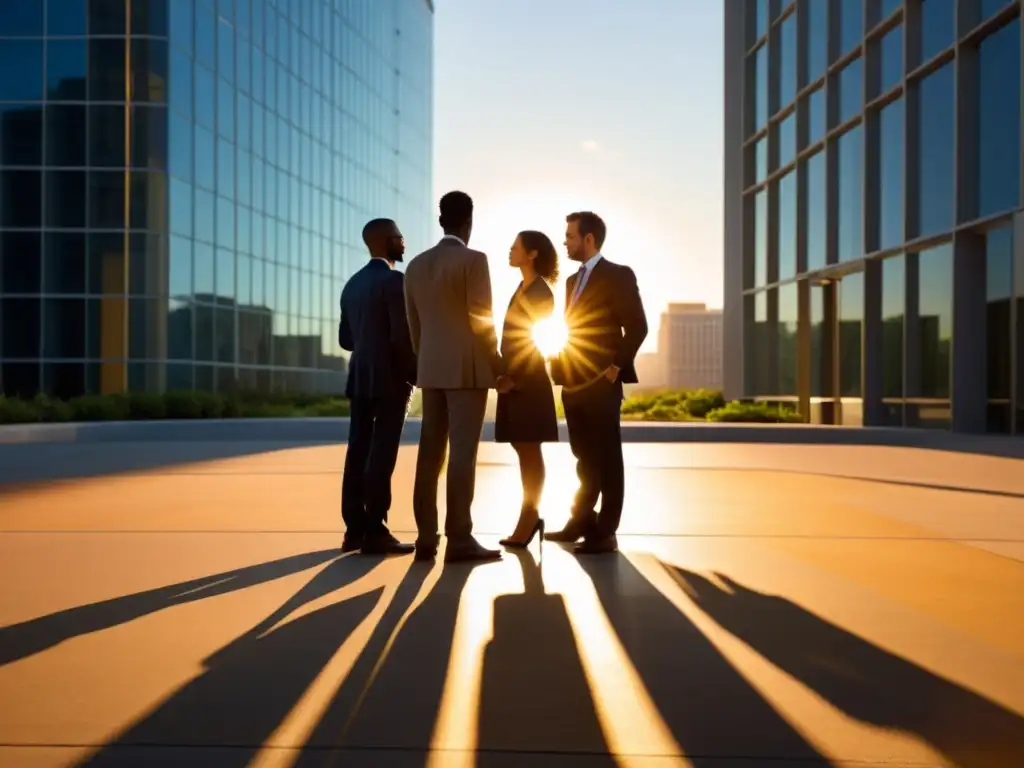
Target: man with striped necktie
[(607, 324)]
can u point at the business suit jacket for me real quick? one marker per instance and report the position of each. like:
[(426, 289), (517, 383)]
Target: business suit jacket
[(451, 320), (607, 325), (374, 329)]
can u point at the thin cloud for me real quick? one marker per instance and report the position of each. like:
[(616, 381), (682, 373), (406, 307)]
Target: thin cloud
[(591, 147)]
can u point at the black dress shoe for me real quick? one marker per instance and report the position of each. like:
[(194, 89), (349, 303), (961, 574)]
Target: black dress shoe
[(351, 542), (470, 551), (386, 544), (425, 553), (573, 531), (598, 545)]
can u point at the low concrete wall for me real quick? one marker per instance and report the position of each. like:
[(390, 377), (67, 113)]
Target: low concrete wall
[(322, 430)]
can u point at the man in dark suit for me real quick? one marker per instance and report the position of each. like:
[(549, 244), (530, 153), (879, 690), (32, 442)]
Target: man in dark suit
[(381, 372), (607, 324)]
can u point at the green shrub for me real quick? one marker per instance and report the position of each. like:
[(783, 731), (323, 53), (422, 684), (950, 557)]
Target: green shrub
[(15, 411), (755, 413), (703, 401)]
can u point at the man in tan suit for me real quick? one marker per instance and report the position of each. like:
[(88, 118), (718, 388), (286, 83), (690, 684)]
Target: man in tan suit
[(451, 323)]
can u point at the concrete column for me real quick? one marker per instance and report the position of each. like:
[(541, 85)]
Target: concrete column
[(871, 345), (737, 225), (969, 382), (1017, 313)]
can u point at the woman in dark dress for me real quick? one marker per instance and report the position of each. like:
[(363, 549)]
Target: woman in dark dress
[(526, 414)]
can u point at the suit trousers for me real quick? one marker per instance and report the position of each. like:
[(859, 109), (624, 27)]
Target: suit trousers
[(453, 421), (593, 417), (374, 434)]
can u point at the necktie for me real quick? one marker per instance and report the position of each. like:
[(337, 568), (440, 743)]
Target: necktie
[(578, 287)]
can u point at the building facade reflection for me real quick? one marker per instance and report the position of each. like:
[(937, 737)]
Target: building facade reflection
[(885, 286), (183, 185)]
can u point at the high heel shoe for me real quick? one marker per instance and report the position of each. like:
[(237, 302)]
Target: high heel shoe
[(538, 528)]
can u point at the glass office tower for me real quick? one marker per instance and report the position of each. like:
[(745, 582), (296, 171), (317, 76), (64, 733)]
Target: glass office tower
[(874, 264), (183, 185)]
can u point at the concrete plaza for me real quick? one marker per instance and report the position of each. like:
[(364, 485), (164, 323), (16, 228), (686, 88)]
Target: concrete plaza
[(773, 605)]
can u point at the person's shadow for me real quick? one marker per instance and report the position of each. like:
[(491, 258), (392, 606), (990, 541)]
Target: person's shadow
[(712, 712), (534, 695), (391, 697), (861, 679), (242, 698), (18, 641)]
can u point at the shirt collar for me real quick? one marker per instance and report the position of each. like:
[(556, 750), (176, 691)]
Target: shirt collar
[(590, 263), (457, 239)]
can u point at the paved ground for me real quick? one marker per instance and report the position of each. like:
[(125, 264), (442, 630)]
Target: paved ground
[(798, 605)]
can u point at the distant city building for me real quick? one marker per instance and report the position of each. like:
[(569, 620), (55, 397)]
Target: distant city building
[(650, 370), (874, 238), (690, 346), (183, 185)]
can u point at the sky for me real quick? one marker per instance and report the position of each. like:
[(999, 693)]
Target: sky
[(547, 106)]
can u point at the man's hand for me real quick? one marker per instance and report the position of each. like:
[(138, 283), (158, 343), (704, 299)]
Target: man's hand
[(504, 384), (612, 373)]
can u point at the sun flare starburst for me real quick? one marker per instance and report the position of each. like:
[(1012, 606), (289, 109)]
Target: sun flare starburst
[(550, 334)]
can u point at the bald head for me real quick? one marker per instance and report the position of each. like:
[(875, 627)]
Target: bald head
[(384, 240)]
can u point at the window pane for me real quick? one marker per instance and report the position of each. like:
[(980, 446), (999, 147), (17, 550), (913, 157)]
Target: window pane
[(851, 90), (893, 310), (816, 216), (65, 199), (761, 238), (787, 226), (935, 152), (891, 175), (21, 255), (205, 164), (182, 25), (761, 160), (65, 262), (21, 204), (999, 279), (816, 117), (107, 79), (851, 195), (787, 62), (888, 7), (761, 383), (787, 339), (21, 135), (65, 70), (21, 19), (818, 360), (999, 125), (851, 323), (21, 70), (938, 27), (933, 326), (817, 40), (206, 34), (851, 24), (891, 55), (761, 87), (787, 140)]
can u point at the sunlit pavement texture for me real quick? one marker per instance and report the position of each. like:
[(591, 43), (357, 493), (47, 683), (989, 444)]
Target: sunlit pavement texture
[(800, 605)]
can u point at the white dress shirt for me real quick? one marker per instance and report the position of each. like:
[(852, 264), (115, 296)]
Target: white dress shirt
[(586, 269)]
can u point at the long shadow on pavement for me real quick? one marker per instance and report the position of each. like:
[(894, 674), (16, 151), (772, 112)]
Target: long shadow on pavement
[(534, 693), (18, 641), (861, 679), (246, 693), (391, 697), (711, 710)]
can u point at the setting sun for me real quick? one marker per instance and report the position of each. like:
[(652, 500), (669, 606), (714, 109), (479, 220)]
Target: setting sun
[(550, 335)]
